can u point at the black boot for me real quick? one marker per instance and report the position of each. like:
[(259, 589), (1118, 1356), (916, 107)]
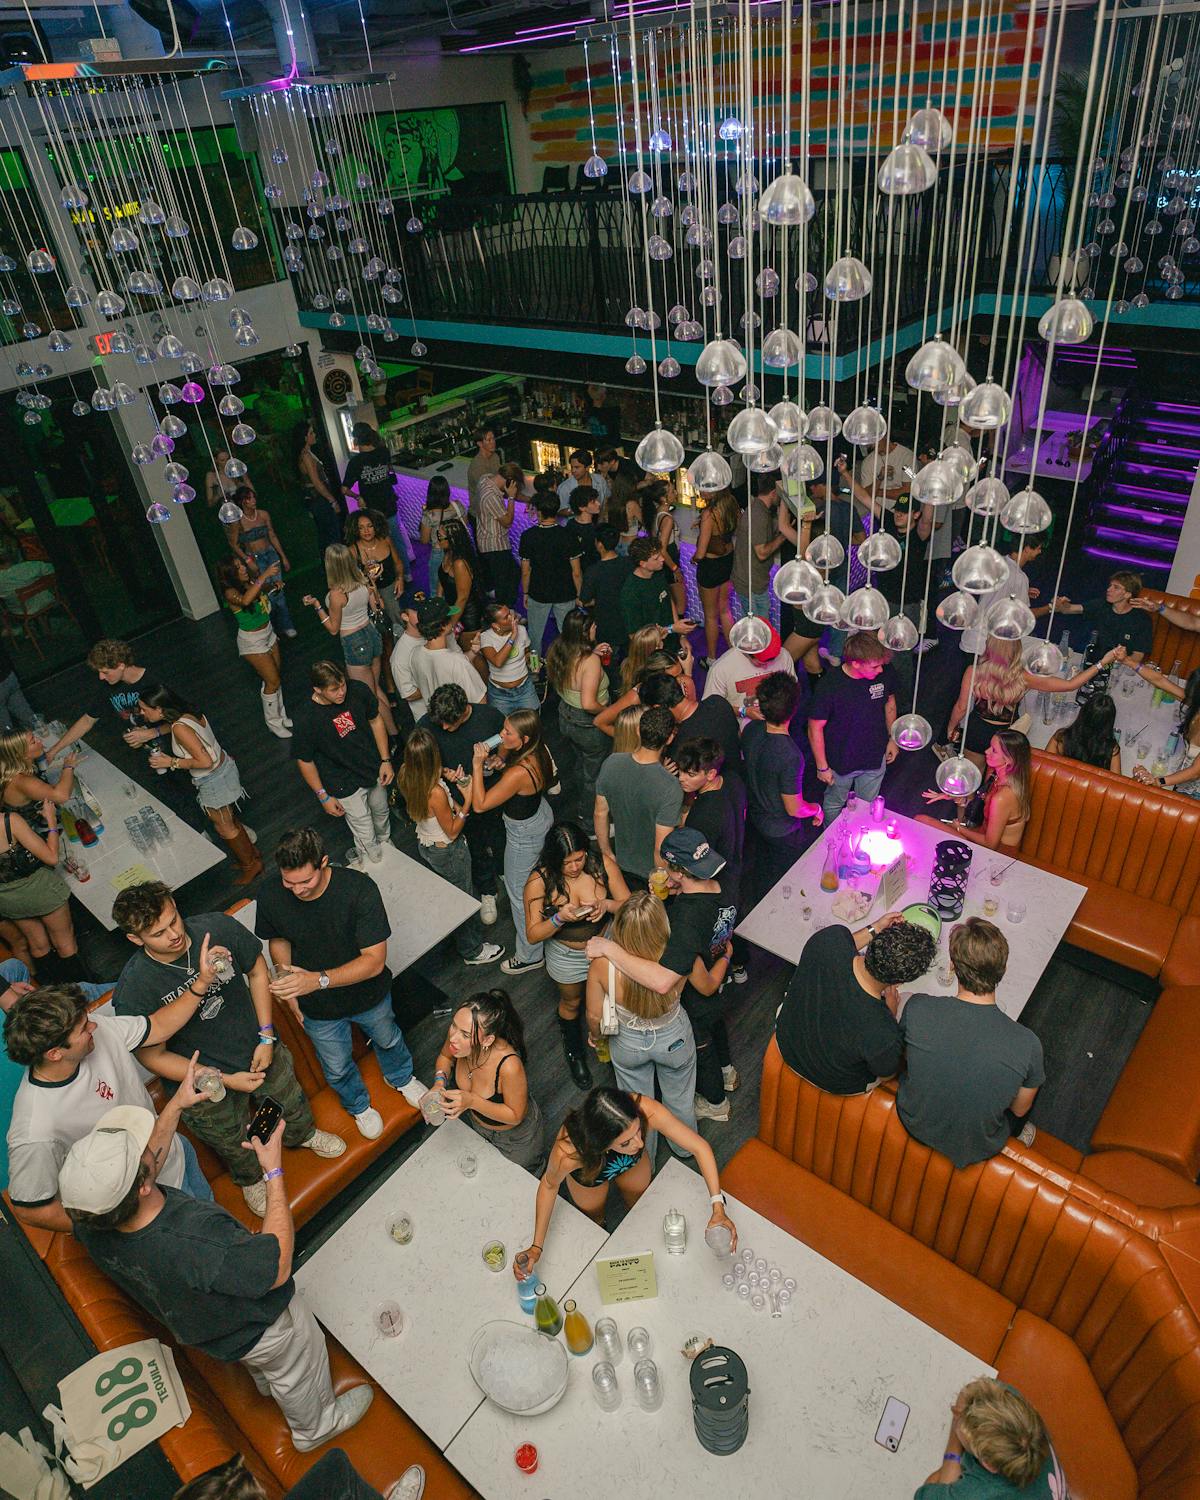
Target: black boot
[(55, 970), (581, 1074)]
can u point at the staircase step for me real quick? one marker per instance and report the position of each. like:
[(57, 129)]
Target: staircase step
[(1146, 514), (1139, 538)]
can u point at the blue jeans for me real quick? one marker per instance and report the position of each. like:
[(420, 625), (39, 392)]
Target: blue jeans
[(453, 863), (402, 540), (506, 699), (760, 604), (523, 842), (333, 1041), (194, 1183), (669, 1051), (865, 784), (281, 616), (538, 616)]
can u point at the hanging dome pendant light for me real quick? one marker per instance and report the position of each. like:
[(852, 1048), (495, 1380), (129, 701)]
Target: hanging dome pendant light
[(912, 731), (907, 169), (787, 201), (659, 452), (987, 407), (721, 362), (709, 473), (979, 570)]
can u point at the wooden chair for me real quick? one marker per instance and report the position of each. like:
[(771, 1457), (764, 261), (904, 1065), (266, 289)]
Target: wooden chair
[(32, 605)]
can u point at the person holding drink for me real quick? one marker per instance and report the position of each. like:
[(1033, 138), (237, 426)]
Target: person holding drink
[(214, 957), (604, 1141)]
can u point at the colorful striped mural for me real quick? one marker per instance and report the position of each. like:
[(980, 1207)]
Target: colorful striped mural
[(926, 54)]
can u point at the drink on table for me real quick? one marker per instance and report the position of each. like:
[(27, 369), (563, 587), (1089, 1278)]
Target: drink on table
[(675, 1232), (829, 874), (578, 1330), (658, 883), (546, 1313), (719, 1239), (432, 1107)]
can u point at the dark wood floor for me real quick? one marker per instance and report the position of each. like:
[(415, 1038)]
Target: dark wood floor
[(1087, 1023)]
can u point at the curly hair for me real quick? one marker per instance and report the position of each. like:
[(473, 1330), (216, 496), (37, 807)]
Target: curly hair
[(900, 953), (139, 906)]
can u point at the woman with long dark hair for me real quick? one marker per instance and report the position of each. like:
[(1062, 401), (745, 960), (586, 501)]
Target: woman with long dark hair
[(576, 672), (526, 770), (569, 896), (244, 594), (480, 1075), (714, 568), (658, 519), (214, 774), (440, 507), (1186, 778), (375, 552), (440, 821), (604, 1141), (1091, 737), (322, 500), (458, 576)]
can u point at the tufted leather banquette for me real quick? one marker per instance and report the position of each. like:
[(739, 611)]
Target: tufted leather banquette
[(1069, 1300), (1171, 644)]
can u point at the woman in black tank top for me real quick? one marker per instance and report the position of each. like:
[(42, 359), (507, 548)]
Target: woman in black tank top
[(480, 1074)]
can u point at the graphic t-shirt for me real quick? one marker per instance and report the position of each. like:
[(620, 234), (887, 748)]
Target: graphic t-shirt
[(734, 676), (372, 472), (121, 698), (702, 922), (48, 1118), (646, 601), (854, 711), (337, 738), (224, 1029)]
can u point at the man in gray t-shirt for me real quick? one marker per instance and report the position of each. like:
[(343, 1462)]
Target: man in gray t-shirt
[(642, 798), (971, 1072)]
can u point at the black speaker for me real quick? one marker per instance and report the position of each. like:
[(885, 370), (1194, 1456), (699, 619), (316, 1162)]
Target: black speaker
[(23, 42)]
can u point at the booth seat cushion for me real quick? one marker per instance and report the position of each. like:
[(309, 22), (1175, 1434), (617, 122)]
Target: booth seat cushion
[(1129, 929), (1048, 1369), (1155, 1107), (1182, 968), (870, 1249), (1147, 1183)]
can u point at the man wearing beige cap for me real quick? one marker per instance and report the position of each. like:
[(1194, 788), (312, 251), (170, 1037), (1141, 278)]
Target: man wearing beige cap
[(213, 1284)]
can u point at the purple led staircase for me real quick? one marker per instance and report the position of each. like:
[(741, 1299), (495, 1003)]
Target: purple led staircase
[(1143, 481)]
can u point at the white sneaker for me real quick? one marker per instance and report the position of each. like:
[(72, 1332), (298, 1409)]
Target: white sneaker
[(739, 973), (256, 1198), (351, 1407), (707, 1111), (324, 1143), (370, 1123), (1027, 1134), (487, 915), (355, 859), (374, 853), (414, 1091), (410, 1485), (488, 954), (729, 1077), (514, 965)]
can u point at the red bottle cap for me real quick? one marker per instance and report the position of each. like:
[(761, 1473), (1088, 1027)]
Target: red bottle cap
[(527, 1458)]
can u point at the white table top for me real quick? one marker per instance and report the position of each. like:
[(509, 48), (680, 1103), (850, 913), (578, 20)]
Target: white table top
[(439, 1280), (819, 1377), (1137, 714), (778, 925), (187, 855), (421, 906)]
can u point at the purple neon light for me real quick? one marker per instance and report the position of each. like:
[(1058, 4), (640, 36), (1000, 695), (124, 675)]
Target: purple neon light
[(1175, 406), (1188, 429), (1167, 448), (1129, 557), (1135, 536), (1150, 517)]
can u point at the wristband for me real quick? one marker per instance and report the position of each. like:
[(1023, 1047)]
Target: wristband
[(718, 1198), (535, 1247), (194, 995), (266, 1038), (441, 1075), (322, 795), (274, 1172), (952, 1458), (556, 920)]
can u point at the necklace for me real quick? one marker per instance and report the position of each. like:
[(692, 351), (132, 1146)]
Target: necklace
[(483, 1056), (174, 964)]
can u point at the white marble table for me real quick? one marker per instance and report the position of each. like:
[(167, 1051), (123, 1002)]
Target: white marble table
[(1144, 726), (421, 906), (819, 1377), (439, 1280), (187, 855), (777, 923)]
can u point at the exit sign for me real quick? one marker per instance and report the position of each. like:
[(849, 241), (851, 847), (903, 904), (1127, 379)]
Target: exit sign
[(102, 343)]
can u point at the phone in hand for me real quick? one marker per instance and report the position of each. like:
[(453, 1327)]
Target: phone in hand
[(267, 1114), (891, 1424)]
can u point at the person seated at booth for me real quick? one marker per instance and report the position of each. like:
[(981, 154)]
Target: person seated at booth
[(996, 813), (998, 1446)]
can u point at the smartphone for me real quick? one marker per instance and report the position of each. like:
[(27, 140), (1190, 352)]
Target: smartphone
[(891, 1424), (267, 1114)]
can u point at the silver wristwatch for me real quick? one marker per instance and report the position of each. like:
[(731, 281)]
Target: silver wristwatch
[(323, 980)]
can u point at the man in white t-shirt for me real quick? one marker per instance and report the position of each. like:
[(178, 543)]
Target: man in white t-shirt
[(734, 676), (412, 640), (435, 663), (974, 638), (882, 470), (80, 1066)]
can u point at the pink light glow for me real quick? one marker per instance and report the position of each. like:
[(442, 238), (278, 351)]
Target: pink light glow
[(879, 848)]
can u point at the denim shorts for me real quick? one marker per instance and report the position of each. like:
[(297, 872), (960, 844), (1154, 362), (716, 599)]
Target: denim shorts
[(362, 646)]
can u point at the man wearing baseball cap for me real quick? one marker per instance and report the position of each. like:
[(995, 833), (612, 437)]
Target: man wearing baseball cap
[(438, 660), (735, 676), (213, 1284)]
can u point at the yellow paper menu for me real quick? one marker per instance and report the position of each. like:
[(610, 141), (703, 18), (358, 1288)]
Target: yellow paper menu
[(626, 1278), (135, 875)]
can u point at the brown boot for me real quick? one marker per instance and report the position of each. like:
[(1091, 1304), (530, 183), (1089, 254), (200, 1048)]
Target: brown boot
[(250, 865)]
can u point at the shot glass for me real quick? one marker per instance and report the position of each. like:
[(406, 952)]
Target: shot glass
[(400, 1229), (604, 1386), (468, 1163), (608, 1343), (389, 1319), (647, 1385), (1016, 911), (639, 1343)]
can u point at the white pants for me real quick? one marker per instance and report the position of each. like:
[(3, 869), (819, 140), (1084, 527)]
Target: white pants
[(291, 1365), (368, 817)]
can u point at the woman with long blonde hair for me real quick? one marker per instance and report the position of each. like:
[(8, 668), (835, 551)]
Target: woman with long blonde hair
[(1006, 792), (993, 687), (654, 1035), (626, 738), (658, 661), (642, 644), (714, 568), (440, 822), (347, 613)]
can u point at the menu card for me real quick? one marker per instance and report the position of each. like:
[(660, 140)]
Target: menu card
[(626, 1278)]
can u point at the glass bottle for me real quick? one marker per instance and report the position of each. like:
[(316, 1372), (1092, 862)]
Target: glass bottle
[(546, 1312), (829, 873), (527, 1283), (579, 1330)]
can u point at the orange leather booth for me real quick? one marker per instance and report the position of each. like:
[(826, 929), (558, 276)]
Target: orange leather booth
[(1171, 644), (1071, 1303), (1137, 849)]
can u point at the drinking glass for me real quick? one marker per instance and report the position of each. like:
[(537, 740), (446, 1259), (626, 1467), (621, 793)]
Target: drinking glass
[(495, 1256), (208, 1081), (647, 1385), (639, 1343), (729, 1281), (996, 875), (990, 906), (1143, 750), (400, 1229), (468, 1163), (1016, 911), (719, 1239), (945, 974), (604, 1385), (758, 1302), (1129, 736), (608, 1341), (389, 1319)]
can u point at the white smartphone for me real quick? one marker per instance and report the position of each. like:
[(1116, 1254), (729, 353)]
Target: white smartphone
[(891, 1424)]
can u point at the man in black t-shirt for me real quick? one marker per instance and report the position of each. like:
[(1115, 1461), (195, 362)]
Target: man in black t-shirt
[(601, 591), (341, 747), (459, 725), (213, 955), (709, 719), (715, 807), (581, 528), (210, 1282), (850, 722), (837, 1025), (327, 932), (551, 569), (1115, 619), (122, 683)]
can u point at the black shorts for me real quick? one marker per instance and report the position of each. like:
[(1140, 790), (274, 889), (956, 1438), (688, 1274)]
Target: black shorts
[(712, 572)]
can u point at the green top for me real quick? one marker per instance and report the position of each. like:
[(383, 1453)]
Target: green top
[(572, 697), (976, 1483), (251, 616)]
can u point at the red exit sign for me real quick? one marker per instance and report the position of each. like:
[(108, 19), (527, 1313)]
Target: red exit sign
[(102, 343)]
